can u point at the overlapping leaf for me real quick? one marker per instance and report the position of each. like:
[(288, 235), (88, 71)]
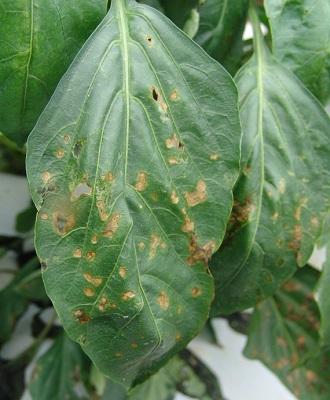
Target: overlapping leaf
[(221, 26), (283, 194), (301, 40), (38, 41), (324, 300), (131, 167), (284, 335), (59, 371)]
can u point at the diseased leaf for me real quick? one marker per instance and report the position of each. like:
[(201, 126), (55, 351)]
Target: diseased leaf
[(58, 372), (39, 39), (131, 167), (221, 26), (277, 216), (284, 335), (301, 40)]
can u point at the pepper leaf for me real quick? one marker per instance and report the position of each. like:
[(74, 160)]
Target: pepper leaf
[(284, 335), (131, 167), (324, 300), (277, 216), (59, 371), (301, 40), (221, 26), (39, 39)]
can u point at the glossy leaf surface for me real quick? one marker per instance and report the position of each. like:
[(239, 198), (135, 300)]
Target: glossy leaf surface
[(284, 335), (58, 372), (38, 41), (277, 216), (221, 25), (301, 40), (131, 167)]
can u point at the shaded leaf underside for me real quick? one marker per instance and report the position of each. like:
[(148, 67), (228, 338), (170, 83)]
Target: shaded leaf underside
[(131, 167)]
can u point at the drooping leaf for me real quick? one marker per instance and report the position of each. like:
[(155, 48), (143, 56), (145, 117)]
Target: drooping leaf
[(58, 372), (221, 26), (131, 167), (282, 196), (39, 39), (284, 335), (12, 302), (301, 40), (324, 300), (184, 373)]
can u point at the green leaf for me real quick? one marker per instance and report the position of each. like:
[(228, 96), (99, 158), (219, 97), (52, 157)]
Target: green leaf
[(131, 167), (12, 302), (179, 11), (184, 373), (25, 220), (58, 372), (301, 40), (221, 26), (39, 39), (282, 196), (284, 335)]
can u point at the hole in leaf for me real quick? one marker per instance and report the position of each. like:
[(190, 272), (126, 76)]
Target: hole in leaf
[(154, 94)]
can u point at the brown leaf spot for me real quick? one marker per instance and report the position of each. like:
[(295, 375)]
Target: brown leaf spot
[(77, 253), (59, 153), (81, 316), (141, 246), (81, 190), (297, 236), (63, 223), (275, 216), (102, 303), (301, 341), (197, 196), (282, 363), (173, 161), (46, 177), (242, 211), (174, 198), (94, 239), (134, 345), (174, 95), (112, 225), (157, 96), (200, 254), (178, 337), (173, 142), (108, 177), (66, 139), (141, 181), (196, 292), (89, 292), (155, 242), (214, 157), (149, 40), (282, 186), (94, 280), (163, 301), (102, 210), (44, 216), (122, 272), (281, 341), (311, 376), (128, 295), (90, 256)]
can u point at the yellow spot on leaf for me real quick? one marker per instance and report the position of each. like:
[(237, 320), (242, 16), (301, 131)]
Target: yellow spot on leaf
[(89, 292), (94, 239), (112, 225), (198, 196), (46, 177), (102, 210), (174, 95), (173, 161), (59, 153), (134, 345), (163, 301), (141, 246), (173, 142), (188, 225), (44, 216), (108, 177), (77, 253), (155, 242), (282, 186), (196, 292), (141, 181), (128, 295), (94, 280), (123, 272), (66, 139), (174, 198), (214, 157)]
